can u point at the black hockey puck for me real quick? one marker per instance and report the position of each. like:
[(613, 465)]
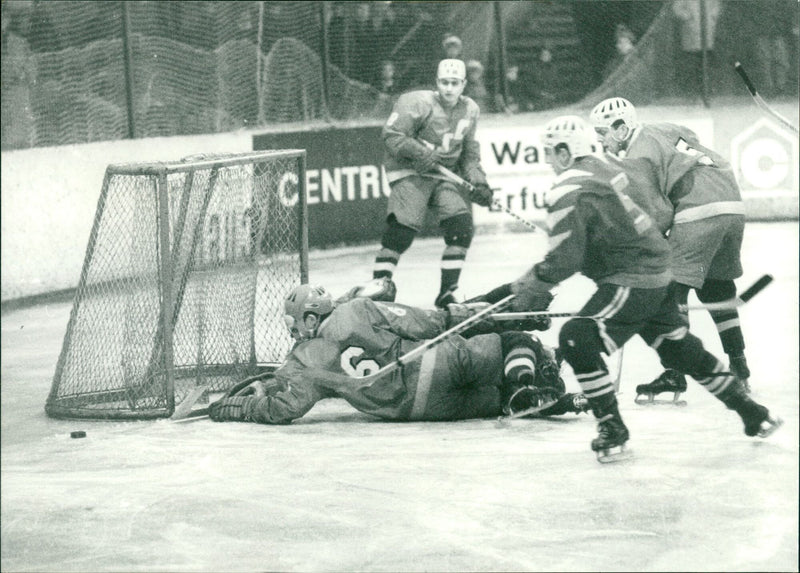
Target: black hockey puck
[(77, 434)]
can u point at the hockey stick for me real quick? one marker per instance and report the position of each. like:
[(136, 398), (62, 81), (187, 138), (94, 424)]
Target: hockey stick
[(184, 409), (469, 186), (335, 381), (760, 101), (751, 291), (504, 420)]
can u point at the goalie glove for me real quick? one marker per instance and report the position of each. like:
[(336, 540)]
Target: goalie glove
[(481, 194), (233, 409)]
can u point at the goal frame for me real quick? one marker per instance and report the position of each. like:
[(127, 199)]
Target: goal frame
[(65, 407)]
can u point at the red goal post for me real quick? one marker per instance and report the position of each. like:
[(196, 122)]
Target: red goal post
[(183, 282)]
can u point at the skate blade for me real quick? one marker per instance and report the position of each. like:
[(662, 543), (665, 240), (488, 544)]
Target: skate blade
[(648, 401), (769, 426), (614, 455)]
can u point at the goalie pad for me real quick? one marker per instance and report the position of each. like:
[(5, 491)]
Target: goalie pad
[(380, 290)]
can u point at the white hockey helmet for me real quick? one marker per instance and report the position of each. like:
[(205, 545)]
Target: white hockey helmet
[(452, 69), (303, 300), (571, 131), (610, 111)]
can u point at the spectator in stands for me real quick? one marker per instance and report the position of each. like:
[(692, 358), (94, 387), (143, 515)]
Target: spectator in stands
[(387, 83), (624, 44), (543, 81), (452, 47), (772, 46), (690, 62), (476, 86)]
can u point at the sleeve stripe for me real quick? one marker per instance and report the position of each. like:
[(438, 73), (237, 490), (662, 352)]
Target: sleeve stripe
[(556, 240), (555, 217), (559, 191)]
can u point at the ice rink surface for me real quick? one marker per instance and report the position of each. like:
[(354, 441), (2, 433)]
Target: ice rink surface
[(341, 491)]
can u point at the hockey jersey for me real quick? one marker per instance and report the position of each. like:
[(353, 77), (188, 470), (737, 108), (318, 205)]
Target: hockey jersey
[(457, 379), (678, 159), (595, 228), (419, 119), (644, 189)]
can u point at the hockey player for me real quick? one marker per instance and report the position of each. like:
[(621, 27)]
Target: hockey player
[(460, 378), (597, 230), (427, 128), (708, 226)]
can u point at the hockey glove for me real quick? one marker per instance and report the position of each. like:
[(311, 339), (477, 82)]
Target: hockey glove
[(531, 295), (458, 313), (234, 409), (528, 324), (481, 194), (426, 160)]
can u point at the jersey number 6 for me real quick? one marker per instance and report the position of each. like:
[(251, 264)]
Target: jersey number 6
[(355, 366)]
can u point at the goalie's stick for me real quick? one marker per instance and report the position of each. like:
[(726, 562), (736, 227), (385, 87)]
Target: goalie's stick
[(469, 186), (335, 381), (736, 302), (760, 101)]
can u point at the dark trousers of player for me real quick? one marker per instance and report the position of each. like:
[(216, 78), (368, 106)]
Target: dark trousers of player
[(611, 317)]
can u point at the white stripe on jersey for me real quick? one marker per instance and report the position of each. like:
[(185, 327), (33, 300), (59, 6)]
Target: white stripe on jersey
[(556, 216)]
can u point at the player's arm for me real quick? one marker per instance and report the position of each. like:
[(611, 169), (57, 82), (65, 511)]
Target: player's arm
[(399, 133), (470, 161), (568, 219), (294, 393)]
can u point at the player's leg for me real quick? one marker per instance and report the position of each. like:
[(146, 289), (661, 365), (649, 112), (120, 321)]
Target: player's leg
[(455, 221), (610, 318), (405, 216), (679, 349), (693, 246), (718, 286)]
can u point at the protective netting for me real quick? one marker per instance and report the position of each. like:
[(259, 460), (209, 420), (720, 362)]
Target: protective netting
[(80, 71), (183, 283)]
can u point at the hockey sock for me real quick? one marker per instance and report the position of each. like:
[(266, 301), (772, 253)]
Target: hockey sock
[(385, 263), (396, 240), (689, 356), (580, 345), (457, 233), (452, 263), (519, 364), (726, 321)]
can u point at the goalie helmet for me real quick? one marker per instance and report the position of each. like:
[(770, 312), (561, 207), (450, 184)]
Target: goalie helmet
[(571, 131), (610, 111), (452, 69), (303, 300)]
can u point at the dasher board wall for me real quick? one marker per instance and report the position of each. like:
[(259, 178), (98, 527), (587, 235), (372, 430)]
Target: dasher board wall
[(49, 195)]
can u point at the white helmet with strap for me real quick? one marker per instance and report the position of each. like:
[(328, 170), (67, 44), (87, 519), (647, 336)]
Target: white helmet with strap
[(571, 131), (612, 110)]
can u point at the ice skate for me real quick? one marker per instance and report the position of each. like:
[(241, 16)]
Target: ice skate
[(669, 381), (609, 445), (449, 296), (738, 366), (757, 419)]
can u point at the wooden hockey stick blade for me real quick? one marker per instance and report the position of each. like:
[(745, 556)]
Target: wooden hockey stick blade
[(503, 420), (756, 288), (192, 416), (184, 408)]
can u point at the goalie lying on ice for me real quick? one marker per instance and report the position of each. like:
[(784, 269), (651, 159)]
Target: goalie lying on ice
[(480, 374)]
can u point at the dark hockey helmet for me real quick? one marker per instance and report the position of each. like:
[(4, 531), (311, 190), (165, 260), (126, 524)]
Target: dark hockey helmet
[(302, 301)]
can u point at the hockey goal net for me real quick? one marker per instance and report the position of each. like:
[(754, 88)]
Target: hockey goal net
[(183, 283)]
